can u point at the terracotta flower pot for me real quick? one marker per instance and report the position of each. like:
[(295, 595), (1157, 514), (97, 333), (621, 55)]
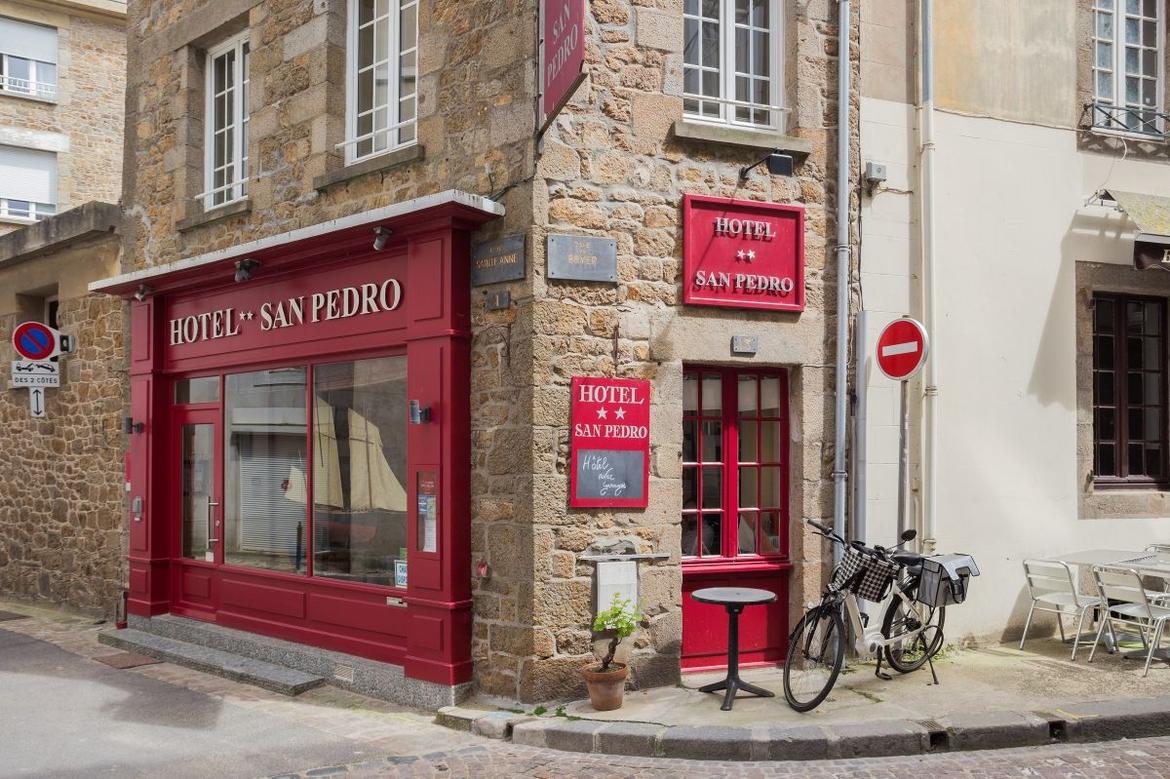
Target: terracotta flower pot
[(606, 688)]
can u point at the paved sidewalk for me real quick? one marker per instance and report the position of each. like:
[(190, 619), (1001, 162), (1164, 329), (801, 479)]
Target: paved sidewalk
[(987, 698)]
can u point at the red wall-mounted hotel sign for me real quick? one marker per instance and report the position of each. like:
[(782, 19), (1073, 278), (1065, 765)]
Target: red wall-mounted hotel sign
[(562, 55), (743, 254), (611, 443)]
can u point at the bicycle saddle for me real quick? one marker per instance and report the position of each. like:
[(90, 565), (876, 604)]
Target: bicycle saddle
[(907, 559)]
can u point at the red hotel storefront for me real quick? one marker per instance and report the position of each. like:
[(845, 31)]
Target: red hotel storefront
[(300, 461)]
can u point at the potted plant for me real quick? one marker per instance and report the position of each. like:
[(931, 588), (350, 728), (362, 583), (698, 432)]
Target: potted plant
[(607, 681)]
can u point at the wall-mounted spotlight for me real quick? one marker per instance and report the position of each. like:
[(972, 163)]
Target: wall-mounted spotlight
[(779, 164), (130, 426), (142, 293), (380, 236), (244, 269), (419, 414)]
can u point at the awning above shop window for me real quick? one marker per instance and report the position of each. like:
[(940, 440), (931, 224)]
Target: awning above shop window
[(1151, 215)]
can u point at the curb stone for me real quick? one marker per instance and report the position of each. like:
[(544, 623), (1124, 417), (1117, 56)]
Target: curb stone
[(1106, 720)]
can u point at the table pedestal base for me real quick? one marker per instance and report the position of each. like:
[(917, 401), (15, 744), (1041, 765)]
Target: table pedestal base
[(732, 683)]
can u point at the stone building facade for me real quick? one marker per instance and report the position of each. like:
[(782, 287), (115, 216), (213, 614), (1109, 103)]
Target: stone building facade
[(62, 533), (614, 165)]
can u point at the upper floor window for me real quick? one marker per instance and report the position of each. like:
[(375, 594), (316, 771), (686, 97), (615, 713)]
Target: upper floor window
[(383, 76), (731, 61), (1128, 44), (28, 58), (226, 150), (28, 184)]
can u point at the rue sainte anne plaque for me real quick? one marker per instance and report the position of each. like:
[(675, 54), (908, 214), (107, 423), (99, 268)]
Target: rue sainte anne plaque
[(498, 260), (610, 442)]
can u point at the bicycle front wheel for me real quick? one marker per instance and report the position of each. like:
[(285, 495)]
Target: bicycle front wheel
[(917, 631), (816, 651)]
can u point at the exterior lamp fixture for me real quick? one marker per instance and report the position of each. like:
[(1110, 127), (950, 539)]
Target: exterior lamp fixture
[(419, 414), (244, 269), (380, 236), (130, 426), (779, 164), (142, 293)]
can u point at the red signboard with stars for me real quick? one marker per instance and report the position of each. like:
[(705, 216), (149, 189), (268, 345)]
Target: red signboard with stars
[(610, 462), (743, 254)]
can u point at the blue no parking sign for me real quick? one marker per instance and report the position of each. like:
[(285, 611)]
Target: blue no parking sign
[(34, 341)]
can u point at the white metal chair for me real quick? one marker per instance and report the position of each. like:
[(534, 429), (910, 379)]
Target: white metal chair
[(1053, 589), (1129, 604)]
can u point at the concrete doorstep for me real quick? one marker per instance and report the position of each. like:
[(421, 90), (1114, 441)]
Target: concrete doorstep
[(1037, 697)]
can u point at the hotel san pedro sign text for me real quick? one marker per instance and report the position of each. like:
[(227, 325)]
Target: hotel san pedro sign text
[(562, 54), (610, 459), (743, 254), (339, 303)]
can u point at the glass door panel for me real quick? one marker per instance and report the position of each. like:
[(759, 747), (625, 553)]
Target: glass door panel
[(200, 523)]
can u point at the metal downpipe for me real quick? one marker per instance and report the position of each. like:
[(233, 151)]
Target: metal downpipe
[(930, 381), (840, 429)]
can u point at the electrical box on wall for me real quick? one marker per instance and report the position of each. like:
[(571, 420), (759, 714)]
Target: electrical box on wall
[(616, 577)]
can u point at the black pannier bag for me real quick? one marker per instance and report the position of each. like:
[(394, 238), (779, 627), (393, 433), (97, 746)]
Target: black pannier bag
[(944, 579)]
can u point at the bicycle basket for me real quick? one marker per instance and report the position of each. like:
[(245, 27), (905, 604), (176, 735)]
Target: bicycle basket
[(865, 576), (945, 578)]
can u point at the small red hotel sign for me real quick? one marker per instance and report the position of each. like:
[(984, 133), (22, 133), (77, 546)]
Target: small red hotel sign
[(743, 254), (610, 443), (562, 54)]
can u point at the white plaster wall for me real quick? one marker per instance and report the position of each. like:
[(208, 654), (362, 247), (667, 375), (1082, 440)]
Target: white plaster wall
[(1011, 223)]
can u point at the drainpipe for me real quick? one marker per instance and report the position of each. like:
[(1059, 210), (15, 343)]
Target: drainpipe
[(840, 495), (930, 411)]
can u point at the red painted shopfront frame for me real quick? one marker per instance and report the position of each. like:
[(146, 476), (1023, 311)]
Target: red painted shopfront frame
[(429, 634), (763, 630)]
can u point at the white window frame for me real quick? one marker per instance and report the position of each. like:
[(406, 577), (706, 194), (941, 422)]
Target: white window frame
[(237, 189), (727, 104), (394, 98), (31, 87), (1100, 119)]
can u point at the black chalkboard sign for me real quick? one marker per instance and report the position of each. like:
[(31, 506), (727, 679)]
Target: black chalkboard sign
[(611, 473)]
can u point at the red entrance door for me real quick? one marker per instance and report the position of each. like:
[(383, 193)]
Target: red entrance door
[(735, 509), (198, 499)]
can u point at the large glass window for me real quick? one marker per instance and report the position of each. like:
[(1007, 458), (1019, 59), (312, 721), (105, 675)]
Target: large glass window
[(1128, 40), (265, 470), (1129, 391), (731, 61), (28, 58), (383, 76), (227, 129), (359, 469), (733, 464)]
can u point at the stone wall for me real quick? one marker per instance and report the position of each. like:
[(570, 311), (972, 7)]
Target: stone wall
[(614, 165), (62, 505), (85, 122)]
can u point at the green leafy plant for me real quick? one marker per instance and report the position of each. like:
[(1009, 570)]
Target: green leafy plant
[(619, 621)]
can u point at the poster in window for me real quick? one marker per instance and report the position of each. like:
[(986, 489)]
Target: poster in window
[(610, 443)]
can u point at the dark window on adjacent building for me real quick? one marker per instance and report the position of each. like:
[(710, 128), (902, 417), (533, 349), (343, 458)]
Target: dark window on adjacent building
[(734, 463), (1129, 391)]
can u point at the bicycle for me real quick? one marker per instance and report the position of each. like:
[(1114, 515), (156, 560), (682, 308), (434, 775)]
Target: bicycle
[(910, 635)]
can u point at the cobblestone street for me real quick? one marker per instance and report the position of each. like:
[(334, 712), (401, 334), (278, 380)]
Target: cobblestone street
[(201, 725)]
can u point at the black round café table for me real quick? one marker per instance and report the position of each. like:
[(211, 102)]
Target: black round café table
[(734, 599)]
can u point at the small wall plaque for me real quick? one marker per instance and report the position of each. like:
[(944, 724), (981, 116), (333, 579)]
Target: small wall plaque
[(580, 258), (499, 260), (498, 300), (745, 344)]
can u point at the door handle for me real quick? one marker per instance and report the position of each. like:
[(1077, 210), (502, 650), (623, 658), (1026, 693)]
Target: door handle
[(210, 504)]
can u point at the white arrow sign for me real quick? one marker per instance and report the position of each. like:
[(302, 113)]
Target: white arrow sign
[(36, 373), (36, 402)]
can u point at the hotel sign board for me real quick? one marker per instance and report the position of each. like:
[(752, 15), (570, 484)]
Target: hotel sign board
[(562, 55), (610, 461), (743, 254)]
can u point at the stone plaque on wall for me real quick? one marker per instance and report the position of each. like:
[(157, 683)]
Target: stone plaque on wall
[(498, 260), (580, 258)]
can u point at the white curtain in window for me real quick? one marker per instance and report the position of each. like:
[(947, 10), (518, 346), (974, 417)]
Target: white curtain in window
[(31, 41), (28, 174)]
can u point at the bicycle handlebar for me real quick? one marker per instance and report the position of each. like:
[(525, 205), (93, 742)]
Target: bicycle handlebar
[(879, 552)]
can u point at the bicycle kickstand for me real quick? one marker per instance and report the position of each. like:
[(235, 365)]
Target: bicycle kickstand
[(930, 662), (878, 671)]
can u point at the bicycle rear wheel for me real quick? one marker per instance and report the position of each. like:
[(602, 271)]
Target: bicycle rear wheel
[(816, 651), (913, 651)]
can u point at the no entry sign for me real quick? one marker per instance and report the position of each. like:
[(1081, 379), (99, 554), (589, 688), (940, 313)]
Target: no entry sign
[(902, 348), (34, 341)]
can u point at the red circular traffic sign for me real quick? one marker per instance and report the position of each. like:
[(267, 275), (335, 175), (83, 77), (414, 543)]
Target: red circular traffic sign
[(902, 348), (34, 341)]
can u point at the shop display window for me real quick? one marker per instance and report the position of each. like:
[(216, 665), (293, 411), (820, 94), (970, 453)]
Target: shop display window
[(734, 464)]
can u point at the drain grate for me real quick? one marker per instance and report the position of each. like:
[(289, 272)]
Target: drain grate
[(343, 673)]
